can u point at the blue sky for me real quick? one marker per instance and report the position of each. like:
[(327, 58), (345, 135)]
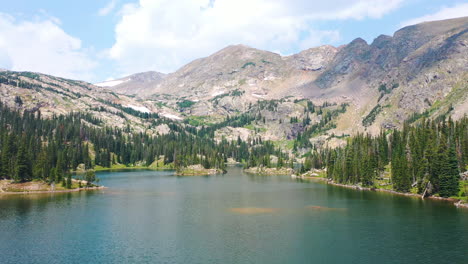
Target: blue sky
[(96, 40)]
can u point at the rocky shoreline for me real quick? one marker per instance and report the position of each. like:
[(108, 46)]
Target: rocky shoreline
[(269, 171), (56, 191), (458, 203), (197, 170), (38, 187)]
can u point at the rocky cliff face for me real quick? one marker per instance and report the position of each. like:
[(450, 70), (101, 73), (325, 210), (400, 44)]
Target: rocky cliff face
[(421, 68)]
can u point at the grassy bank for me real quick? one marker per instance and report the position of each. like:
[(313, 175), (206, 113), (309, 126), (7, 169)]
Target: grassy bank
[(157, 165)]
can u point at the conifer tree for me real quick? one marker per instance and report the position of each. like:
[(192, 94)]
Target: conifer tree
[(23, 165), (69, 181), (450, 176), (5, 157)]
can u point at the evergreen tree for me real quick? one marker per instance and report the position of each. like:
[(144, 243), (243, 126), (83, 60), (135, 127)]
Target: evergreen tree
[(450, 176), (23, 165), (90, 177), (69, 181), (5, 156)]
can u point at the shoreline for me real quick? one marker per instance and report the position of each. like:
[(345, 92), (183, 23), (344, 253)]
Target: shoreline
[(127, 168), (57, 191), (197, 170), (456, 202), (268, 171)]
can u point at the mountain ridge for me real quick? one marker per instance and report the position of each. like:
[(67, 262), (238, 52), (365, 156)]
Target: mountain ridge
[(421, 71)]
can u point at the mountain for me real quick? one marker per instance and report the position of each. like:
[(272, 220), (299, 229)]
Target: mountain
[(135, 83), (319, 96), (421, 67), (260, 74), (55, 96)]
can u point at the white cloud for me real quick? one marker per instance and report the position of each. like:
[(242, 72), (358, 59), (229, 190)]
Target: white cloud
[(108, 8), (165, 34), (460, 10), (41, 45), (315, 38)]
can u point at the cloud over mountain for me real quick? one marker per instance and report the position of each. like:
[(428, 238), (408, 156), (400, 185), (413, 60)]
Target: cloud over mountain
[(166, 34)]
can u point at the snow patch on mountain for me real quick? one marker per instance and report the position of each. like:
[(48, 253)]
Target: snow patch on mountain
[(139, 108), (111, 83)]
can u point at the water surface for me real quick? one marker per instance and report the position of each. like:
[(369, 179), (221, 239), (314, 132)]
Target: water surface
[(154, 217)]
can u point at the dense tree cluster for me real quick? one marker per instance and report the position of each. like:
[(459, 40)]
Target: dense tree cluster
[(428, 156), (49, 149)]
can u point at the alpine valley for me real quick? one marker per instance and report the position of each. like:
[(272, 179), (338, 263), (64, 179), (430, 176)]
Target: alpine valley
[(350, 114)]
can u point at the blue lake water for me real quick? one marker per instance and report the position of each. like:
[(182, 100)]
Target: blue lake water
[(155, 217)]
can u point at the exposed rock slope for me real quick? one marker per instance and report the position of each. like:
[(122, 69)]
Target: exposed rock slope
[(134, 84), (421, 67), (53, 96)]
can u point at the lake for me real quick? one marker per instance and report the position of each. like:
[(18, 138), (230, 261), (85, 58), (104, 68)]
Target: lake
[(155, 217)]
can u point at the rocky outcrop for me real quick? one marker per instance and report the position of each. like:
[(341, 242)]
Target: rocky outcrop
[(195, 170), (269, 171)]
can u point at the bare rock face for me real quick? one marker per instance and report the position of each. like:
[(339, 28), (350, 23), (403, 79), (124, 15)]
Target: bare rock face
[(314, 59), (255, 73), (240, 70), (231, 133), (134, 84), (407, 72)]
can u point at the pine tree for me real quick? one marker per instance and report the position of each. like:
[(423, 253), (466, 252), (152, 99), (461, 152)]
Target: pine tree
[(367, 172), (450, 175), (53, 175), (69, 181), (23, 165), (90, 177), (60, 168), (439, 163), (5, 161), (400, 172), (39, 169), (1, 166)]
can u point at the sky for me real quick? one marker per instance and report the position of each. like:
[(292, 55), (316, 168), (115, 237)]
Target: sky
[(98, 40)]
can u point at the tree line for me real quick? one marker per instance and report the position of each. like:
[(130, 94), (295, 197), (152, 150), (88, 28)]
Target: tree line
[(426, 157), (49, 149)]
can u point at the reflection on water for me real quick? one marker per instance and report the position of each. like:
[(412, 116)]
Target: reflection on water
[(155, 217)]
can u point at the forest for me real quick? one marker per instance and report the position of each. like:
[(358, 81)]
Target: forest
[(425, 158), (50, 149)]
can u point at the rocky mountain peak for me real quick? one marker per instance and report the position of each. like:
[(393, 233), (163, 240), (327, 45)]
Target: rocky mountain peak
[(387, 71)]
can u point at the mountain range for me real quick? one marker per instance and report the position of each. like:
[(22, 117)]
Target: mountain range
[(420, 71)]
